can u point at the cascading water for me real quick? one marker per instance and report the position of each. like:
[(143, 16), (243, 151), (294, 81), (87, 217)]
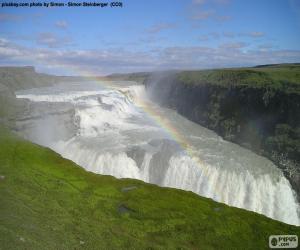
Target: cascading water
[(117, 131)]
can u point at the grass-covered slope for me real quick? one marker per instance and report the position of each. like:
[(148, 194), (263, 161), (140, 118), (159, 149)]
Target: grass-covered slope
[(47, 202), (283, 77)]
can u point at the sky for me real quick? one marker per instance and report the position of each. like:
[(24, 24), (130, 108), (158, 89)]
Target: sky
[(151, 35)]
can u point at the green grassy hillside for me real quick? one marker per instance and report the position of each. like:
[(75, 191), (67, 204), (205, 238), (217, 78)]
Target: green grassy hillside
[(285, 77), (47, 202)]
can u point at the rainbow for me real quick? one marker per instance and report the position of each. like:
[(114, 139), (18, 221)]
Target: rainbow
[(174, 134)]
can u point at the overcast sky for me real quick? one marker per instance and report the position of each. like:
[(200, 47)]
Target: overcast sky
[(151, 35)]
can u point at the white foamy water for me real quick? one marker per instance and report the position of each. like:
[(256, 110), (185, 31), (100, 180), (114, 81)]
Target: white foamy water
[(107, 131)]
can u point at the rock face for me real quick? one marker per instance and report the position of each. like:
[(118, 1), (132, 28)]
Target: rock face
[(17, 78), (263, 119)]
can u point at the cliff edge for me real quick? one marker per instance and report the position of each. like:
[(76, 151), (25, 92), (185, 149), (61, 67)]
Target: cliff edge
[(257, 108)]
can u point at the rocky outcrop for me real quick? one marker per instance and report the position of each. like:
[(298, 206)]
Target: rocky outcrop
[(263, 119), (16, 78)]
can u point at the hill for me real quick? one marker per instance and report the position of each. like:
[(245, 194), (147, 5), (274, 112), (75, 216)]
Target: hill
[(47, 202), (283, 77)]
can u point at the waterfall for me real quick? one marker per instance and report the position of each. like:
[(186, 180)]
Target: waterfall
[(111, 133)]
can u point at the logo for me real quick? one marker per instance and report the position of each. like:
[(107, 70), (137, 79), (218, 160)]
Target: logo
[(283, 241)]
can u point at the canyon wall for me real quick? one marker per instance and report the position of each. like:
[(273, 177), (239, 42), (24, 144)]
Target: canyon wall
[(248, 107)]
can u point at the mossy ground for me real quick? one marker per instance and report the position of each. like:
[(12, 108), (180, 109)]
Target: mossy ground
[(47, 202)]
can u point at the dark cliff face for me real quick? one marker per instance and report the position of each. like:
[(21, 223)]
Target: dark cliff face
[(265, 120)]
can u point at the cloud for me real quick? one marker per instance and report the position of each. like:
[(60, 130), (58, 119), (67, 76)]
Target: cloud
[(52, 41), (202, 15), (236, 45), (10, 51), (9, 17), (209, 36), (198, 10), (160, 27), (207, 14), (105, 61), (228, 34), (204, 38), (223, 18), (265, 47), (3, 41), (151, 39), (256, 34), (214, 35), (253, 34), (198, 2), (61, 24)]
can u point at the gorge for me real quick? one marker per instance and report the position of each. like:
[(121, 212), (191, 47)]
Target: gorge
[(112, 128)]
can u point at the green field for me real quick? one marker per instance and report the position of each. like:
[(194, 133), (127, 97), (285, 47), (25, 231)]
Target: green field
[(47, 202), (285, 77)]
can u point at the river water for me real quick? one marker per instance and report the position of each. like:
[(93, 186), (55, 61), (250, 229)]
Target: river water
[(113, 128)]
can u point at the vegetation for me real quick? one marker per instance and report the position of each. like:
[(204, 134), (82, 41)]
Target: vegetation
[(47, 202), (285, 77)]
